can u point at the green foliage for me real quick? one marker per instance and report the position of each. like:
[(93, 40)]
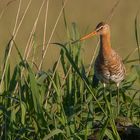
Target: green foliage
[(63, 104)]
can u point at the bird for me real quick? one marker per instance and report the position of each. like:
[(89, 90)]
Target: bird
[(108, 65)]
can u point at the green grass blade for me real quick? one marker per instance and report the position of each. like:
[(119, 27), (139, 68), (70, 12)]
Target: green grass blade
[(137, 34), (109, 134), (52, 133), (35, 91), (104, 127), (71, 61), (23, 112)]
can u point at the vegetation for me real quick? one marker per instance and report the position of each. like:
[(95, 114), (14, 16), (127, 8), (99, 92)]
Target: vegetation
[(63, 104)]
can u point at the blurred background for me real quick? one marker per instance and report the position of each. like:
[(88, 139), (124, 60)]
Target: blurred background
[(86, 15)]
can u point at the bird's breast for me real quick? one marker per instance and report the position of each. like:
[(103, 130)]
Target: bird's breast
[(109, 67)]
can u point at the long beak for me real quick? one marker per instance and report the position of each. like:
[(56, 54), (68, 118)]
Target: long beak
[(85, 37), (88, 36)]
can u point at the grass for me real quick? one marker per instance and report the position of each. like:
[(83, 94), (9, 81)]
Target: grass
[(54, 104)]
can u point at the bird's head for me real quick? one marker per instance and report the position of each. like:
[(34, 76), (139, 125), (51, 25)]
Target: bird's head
[(101, 29)]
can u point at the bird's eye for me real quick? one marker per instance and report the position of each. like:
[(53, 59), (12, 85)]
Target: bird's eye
[(100, 28)]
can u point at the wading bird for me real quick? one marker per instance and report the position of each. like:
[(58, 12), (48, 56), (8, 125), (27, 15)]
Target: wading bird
[(108, 66)]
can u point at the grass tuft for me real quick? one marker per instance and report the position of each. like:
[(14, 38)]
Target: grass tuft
[(62, 103)]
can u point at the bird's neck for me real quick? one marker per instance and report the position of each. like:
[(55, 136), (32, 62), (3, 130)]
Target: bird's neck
[(105, 43)]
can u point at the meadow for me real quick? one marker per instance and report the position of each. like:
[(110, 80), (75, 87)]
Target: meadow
[(60, 102)]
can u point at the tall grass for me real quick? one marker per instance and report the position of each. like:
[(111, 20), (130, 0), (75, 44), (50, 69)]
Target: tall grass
[(54, 104)]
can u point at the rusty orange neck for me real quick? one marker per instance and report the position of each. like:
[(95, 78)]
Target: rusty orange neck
[(105, 43)]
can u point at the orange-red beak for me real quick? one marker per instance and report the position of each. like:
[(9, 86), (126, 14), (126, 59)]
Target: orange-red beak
[(85, 37), (88, 36)]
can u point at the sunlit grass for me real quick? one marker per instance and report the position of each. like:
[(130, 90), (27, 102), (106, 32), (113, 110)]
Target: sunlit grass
[(54, 104)]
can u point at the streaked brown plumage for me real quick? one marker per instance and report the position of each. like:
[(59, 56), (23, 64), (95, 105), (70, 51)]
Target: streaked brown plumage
[(108, 65)]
